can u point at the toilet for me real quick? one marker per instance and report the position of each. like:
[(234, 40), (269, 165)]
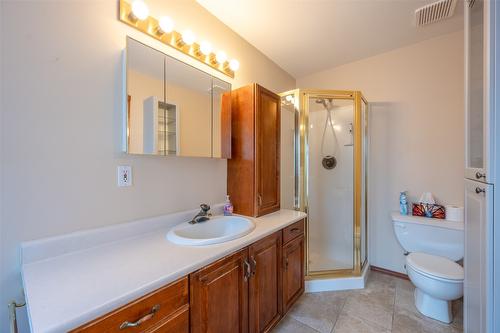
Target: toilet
[(433, 248)]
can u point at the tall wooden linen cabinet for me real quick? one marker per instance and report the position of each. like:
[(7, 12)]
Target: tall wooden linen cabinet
[(253, 172)]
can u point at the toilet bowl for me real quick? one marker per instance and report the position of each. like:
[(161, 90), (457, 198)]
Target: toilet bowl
[(432, 247), (437, 281)]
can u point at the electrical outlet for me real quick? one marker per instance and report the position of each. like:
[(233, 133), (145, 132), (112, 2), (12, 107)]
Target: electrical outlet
[(124, 175)]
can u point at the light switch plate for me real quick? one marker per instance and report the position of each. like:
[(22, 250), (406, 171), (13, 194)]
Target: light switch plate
[(124, 173)]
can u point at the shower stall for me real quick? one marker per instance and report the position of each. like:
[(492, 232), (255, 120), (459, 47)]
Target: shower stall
[(324, 173)]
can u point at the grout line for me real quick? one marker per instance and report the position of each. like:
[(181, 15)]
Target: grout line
[(394, 306), (340, 313)]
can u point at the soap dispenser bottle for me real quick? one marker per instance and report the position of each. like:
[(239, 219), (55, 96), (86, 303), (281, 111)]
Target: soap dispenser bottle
[(403, 203), (228, 207)]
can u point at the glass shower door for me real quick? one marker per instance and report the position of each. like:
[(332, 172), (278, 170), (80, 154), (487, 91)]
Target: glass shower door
[(330, 171)]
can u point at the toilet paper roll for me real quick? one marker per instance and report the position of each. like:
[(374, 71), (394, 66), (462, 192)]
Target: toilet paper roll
[(454, 213)]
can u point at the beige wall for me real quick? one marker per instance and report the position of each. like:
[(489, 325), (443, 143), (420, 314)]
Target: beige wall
[(416, 129), (62, 124)]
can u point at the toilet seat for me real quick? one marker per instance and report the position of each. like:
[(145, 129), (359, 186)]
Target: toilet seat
[(435, 267)]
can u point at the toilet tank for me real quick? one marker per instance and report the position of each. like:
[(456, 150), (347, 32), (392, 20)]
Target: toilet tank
[(433, 236)]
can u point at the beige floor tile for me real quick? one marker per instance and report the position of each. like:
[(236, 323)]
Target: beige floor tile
[(410, 322), (381, 280), (403, 284), (367, 310), (387, 303), (349, 324), (319, 310), (380, 295), (458, 314), (290, 325), (405, 300)]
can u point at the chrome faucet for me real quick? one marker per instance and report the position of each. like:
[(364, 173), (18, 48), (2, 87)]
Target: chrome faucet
[(203, 215)]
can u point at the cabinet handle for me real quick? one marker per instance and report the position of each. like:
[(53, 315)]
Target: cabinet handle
[(248, 270), (480, 190), (259, 198), (254, 264), (480, 175), (286, 263), (151, 314), (294, 230)]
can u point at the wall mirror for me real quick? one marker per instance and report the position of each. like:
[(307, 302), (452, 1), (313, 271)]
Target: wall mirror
[(173, 108)]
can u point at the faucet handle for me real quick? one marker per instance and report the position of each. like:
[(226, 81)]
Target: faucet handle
[(205, 207)]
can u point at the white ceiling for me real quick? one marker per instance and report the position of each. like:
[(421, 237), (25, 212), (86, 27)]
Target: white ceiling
[(307, 36)]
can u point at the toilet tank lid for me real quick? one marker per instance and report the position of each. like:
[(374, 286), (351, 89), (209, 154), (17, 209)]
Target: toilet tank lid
[(440, 223), (435, 265)]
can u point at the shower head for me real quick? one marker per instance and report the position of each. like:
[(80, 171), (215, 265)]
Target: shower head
[(323, 101)]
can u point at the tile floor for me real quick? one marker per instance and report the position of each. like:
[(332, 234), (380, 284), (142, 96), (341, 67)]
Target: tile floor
[(385, 305)]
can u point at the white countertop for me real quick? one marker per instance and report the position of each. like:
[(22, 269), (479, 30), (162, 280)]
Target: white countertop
[(70, 280)]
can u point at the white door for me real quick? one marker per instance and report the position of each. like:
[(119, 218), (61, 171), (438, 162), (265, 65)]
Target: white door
[(474, 97), (477, 262)]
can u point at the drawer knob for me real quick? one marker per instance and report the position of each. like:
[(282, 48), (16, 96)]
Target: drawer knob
[(480, 175), (127, 324), (480, 190)]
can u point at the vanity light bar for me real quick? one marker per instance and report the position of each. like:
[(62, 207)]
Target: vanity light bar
[(137, 15)]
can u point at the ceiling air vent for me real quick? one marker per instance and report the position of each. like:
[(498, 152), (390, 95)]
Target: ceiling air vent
[(434, 12)]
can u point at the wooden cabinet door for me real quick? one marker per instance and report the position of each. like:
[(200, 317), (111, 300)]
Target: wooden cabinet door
[(268, 123), (219, 296), (293, 271), (265, 300)]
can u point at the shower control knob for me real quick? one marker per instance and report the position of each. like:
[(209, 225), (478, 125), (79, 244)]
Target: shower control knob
[(329, 162)]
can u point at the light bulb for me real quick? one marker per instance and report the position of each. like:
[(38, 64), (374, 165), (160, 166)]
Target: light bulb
[(206, 47), (166, 24), (221, 57), (234, 65), (140, 10), (188, 37), (289, 98)]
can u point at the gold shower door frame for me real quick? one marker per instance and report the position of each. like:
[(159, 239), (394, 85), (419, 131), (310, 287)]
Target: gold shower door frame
[(301, 105)]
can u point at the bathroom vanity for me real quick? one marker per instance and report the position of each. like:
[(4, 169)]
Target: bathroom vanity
[(131, 278)]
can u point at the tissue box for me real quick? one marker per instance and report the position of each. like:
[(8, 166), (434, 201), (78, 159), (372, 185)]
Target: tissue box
[(429, 210)]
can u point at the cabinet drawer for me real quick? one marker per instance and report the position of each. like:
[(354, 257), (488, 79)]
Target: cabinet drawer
[(292, 231), (176, 323), (151, 309)]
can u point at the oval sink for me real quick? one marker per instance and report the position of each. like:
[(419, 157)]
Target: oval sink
[(218, 229)]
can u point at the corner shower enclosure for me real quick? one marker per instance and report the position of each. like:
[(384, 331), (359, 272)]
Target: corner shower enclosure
[(324, 173)]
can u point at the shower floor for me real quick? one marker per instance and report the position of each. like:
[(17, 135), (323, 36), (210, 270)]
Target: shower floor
[(320, 262)]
